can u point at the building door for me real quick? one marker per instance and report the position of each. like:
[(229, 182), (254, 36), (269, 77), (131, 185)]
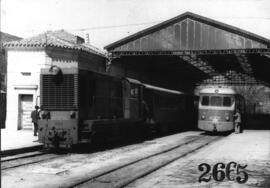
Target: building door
[(25, 108)]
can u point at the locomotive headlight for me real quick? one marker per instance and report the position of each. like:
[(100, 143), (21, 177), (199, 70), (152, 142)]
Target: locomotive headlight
[(227, 117), (72, 115), (45, 115), (203, 117)]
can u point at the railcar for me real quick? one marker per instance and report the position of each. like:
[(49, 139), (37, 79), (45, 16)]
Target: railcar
[(217, 106), (80, 106)]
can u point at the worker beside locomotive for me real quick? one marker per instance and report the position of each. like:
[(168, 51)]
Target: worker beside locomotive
[(217, 107)]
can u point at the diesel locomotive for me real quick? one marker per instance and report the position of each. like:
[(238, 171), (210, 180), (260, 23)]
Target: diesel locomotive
[(82, 106), (217, 106)]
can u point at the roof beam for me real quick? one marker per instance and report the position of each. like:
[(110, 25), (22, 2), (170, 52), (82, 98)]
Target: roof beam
[(266, 55), (262, 51), (199, 64), (246, 74), (234, 78), (244, 63)]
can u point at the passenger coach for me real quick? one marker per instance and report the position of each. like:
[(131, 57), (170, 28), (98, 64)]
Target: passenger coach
[(217, 107)]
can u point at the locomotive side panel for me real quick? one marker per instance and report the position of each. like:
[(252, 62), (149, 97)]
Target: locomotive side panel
[(107, 98), (100, 96), (86, 95)]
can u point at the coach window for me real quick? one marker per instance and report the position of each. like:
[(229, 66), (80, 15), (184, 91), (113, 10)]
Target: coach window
[(205, 100), (134, 91), (227, 101), (215, 101)]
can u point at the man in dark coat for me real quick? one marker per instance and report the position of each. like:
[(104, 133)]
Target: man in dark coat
[(35, 117)]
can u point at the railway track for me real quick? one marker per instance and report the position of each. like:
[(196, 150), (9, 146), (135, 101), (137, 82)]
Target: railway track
[(127, 173), (28, 158), (111, 173)]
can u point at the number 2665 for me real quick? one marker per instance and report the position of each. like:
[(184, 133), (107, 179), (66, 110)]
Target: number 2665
[(220, 171)]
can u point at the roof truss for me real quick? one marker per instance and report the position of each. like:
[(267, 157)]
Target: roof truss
[(232, 66)]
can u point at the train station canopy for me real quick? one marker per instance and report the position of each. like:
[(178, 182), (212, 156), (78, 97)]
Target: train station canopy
[(199, 49)]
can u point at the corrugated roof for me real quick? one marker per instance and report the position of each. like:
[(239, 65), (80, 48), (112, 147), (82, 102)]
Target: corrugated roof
[(59, 38), (193, 16)]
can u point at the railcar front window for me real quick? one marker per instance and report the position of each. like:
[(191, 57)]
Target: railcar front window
[(215, 101), (227, 101), (205, 100)]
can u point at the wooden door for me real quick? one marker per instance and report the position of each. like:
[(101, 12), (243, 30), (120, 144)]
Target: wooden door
[(25, 108)]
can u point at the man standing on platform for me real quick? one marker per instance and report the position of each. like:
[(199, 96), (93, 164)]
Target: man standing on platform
[(35, 117), (237, 121)]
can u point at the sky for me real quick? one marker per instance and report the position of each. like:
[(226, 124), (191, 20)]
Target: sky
[(107, 21)]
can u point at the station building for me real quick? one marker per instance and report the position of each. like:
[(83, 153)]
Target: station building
[(4, 37), (25, 59)]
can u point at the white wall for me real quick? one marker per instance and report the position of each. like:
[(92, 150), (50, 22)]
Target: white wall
[(18, 62)]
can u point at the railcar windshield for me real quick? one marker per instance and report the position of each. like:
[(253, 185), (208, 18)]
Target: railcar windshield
[(225, 101), (215, 101), (205, 100)]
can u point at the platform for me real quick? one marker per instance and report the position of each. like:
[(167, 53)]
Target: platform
[(251, 148), (15, 141)]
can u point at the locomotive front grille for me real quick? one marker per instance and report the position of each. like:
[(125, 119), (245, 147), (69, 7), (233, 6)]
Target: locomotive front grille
[(59, 95)]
